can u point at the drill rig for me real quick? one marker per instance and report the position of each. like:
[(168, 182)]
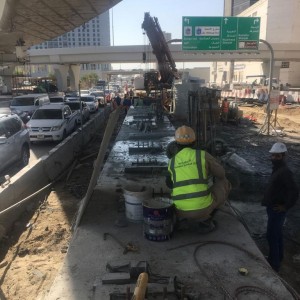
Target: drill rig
[(163, 79)]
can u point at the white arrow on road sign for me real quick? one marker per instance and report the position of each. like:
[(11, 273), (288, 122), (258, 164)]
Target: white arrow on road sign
[(187, 20)]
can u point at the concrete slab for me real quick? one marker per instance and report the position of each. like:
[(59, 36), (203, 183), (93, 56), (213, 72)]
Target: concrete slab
[(202, 266)]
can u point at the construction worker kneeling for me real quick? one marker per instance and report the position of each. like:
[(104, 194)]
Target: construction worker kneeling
[(189, 170)]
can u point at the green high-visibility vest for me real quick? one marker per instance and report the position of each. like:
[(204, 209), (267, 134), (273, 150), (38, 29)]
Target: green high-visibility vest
[(190, 183)]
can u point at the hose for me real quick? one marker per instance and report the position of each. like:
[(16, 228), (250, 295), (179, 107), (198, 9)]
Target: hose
[(242, 288), (26, 199), (35, 193)]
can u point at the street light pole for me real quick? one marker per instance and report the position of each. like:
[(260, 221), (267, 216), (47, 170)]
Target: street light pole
[(270, 80), (81, 118)]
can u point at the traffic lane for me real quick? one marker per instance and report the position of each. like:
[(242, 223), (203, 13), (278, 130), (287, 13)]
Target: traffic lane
[(37, 150)]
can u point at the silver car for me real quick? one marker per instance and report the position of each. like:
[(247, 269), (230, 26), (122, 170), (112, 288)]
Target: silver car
[(52, 122), (14, 141), (91, 102), (83, 111), (99, 97)]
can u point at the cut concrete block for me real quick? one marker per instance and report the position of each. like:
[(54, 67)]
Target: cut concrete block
[(116, 278)]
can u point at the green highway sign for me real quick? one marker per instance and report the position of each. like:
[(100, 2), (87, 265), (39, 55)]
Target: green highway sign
[(220, 33)]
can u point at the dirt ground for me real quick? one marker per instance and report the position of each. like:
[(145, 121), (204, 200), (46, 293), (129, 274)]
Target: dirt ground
[(286, 122), (33, 252)]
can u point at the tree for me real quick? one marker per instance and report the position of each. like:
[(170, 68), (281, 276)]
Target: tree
[(89, 80)]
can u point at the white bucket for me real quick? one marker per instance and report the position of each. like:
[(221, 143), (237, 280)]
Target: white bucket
[(134, 196)]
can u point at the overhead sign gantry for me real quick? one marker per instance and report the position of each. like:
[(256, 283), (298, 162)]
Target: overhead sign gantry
[(220, 33)]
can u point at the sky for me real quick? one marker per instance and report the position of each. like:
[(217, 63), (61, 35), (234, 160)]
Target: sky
[(128, 15)]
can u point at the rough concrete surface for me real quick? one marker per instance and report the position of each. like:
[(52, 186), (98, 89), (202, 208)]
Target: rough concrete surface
[(196, 265), (33, 252)]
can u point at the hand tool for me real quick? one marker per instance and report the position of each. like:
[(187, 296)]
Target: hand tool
[(127, 247)]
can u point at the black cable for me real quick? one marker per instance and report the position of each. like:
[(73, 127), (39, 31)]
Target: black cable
[(253, 256), (156, 278), (246, 289), (239, 216)]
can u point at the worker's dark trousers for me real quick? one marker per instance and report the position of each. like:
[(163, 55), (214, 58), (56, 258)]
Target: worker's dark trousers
[(275, 237)]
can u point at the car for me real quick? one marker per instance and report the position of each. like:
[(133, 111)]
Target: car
[(85, 112), (72, 98), (94, 89), (52, 122), (14, 141), (99, 97), (25, 105), (84, 92), (57, 99), (91, 102), (72, 94)]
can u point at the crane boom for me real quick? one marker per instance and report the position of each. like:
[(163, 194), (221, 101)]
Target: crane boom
[(166, 63)]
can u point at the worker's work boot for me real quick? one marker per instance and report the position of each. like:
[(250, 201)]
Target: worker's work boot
[(206, 226), (182, 224), (195, 226), (212, 214)]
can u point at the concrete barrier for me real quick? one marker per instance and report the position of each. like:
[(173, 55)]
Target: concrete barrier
[(32, 178)]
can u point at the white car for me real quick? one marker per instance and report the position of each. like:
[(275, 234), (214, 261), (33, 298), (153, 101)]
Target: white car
[(83, 110), (91, 102), (84, 92), (99, 97), (52, 122)]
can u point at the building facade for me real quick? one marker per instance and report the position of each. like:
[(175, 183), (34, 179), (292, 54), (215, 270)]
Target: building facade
[(94, 33), (271, 12), (235, 7)]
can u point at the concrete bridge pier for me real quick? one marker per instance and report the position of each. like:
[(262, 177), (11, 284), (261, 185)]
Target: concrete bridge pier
[(74, 77), (61, 73), (6, 75)]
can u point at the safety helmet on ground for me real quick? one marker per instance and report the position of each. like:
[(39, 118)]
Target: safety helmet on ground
[(185, 135), (278, 148)]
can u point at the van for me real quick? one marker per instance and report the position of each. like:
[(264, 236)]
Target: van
[(24, 106)]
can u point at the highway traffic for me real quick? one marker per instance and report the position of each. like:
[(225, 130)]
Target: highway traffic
[(37, 150)]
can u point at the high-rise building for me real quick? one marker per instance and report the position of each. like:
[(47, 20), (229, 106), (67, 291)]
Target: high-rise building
[(234, 7), (95, 33)]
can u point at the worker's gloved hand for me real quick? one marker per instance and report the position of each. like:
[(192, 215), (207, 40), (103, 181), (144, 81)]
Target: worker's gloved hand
[(172, 149)]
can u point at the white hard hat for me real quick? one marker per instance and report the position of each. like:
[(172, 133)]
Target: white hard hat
[(278, 148)]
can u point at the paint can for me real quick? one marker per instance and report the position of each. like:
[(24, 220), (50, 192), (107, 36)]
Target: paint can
[(159, 214), (134, 196)]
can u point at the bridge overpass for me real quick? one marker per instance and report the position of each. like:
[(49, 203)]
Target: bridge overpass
[(67, 61), (133, 54), (24, 23)]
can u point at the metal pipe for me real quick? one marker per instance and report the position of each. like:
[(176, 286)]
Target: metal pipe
[(26, 199), (270, 80)]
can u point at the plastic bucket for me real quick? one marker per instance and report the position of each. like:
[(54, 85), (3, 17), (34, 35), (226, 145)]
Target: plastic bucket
[(134, 196), (158, 219)]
